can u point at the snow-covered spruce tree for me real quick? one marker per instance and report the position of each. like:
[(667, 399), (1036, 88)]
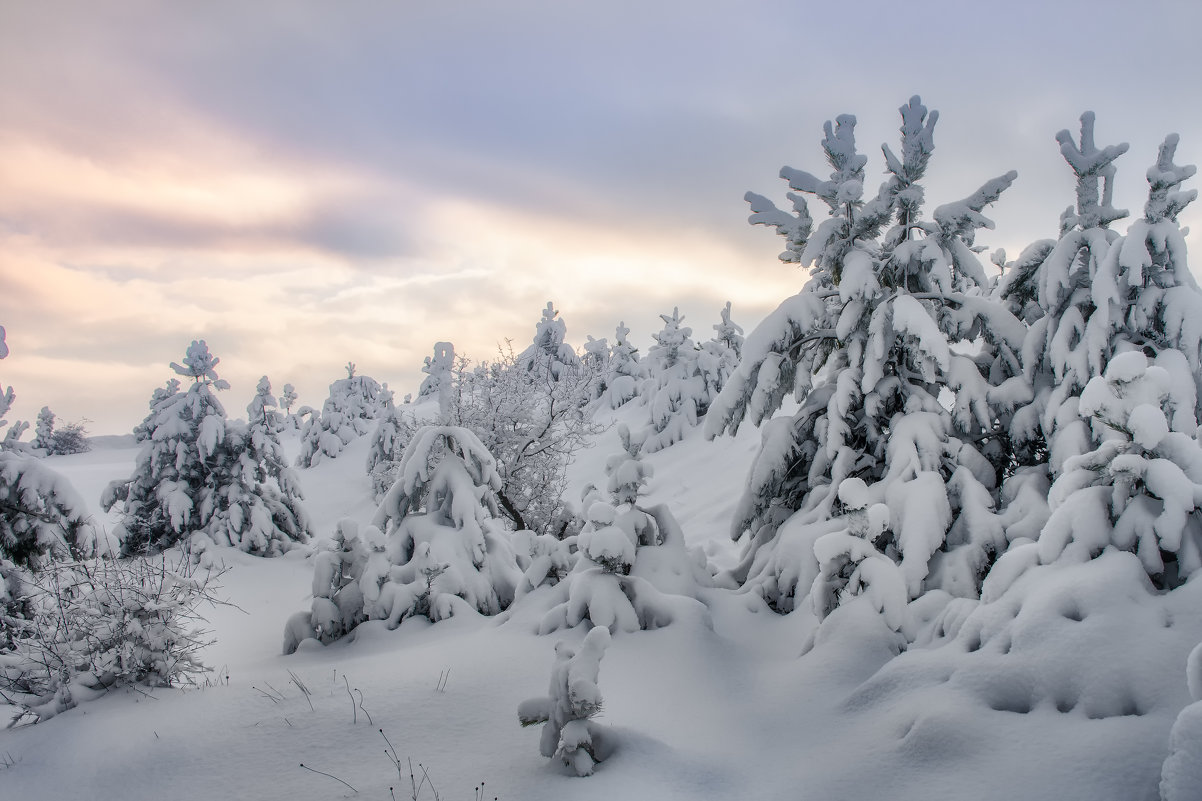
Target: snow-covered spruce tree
[(1051, 286), (261, 411), (43, 432), (626, 373), (435, 547), (354, 403), (866, 349), (549, 354), (533, 423), (198, 474), (568, 732), (720, 356), (676, 391), (595, 364), (438, 369), (287, 400), (634, 570), (393, 432), (42, 517), (1117, 365)]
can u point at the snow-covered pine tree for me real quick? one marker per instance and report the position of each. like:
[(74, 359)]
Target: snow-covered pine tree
[(549, 354), (676, 390), (634, 570), (866, 349), (287, 400), (566, 712), (393, 432), (43, 436), (199, 474), (42, 517), (439, 369), (720, 356), (353, 404), (595, 364), (261, 411), (434, 547), (626, 373), (1127, 465), (1052, 284)]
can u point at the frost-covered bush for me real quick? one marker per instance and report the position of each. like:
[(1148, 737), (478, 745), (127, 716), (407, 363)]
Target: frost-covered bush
[(676, 391), (434, 547), (568, 732), (202, 479), (866, 349), (533, 424), (76, 629), (354, 402), (633, 570)]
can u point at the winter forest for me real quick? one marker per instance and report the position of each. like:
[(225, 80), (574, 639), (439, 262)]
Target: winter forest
[(932, 529)]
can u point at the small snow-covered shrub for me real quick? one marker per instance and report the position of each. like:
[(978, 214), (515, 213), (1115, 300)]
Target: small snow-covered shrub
[(77, 629), (633, 570), (41, 515), (677, 391), (393, 432), (625, 372), (569, 734)]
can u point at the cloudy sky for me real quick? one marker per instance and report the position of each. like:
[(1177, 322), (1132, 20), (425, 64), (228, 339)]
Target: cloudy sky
[(306, 184)]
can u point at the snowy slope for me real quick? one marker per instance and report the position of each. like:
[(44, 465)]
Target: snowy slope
[(1070, 695)]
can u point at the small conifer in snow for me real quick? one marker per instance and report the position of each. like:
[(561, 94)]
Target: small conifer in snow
[(549, 354), (626, 373), (392, 434), (634, 570), (569, 733), (354, 402), (434, 547), (438, 369), (677, 393), (42, 517), (200, 474)]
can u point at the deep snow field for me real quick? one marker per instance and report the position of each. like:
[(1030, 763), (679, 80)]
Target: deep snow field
[(1065, 689)]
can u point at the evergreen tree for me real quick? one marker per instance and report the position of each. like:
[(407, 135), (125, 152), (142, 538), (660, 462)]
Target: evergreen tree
[(626, 373), (676, 389), (549, 353), (720, 356), (393, 432), (42, 517), (43, 438), (865, 348), (354, 402), (202, 480), (568, 732), (438, 369)]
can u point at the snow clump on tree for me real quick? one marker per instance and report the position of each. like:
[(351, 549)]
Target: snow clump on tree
[(1181, 774), (198, 474), (354, 402), (568, 732)]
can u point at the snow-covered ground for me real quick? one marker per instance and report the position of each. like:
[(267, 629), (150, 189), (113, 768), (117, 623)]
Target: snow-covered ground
[(1068, 691)]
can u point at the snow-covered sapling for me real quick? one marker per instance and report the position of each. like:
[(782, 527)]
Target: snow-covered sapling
[(569, 732)]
